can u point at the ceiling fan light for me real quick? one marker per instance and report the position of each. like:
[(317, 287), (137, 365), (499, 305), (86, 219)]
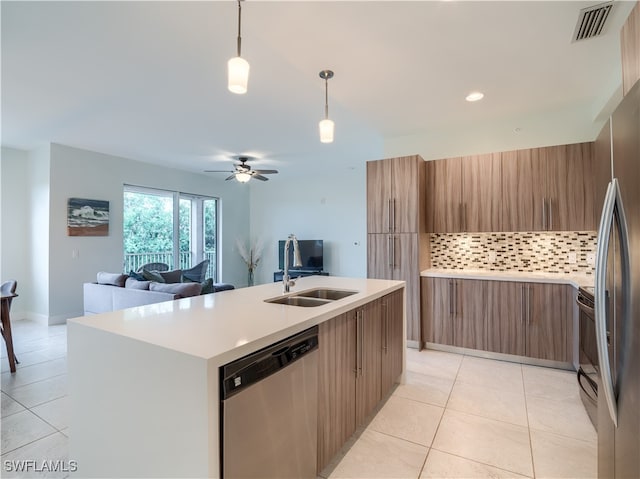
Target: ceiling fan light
[(238, 71), (326, 131), (243, 177)]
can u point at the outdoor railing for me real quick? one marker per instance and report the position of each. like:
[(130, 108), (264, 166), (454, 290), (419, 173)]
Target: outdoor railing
[(133, 261)]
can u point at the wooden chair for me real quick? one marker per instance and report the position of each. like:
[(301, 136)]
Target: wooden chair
[(8, 288)]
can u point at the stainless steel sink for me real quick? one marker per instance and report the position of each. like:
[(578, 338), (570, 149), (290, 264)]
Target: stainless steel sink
[(323, 293), (299, 301)]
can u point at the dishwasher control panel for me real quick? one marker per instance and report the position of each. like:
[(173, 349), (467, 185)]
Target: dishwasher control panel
[(254, 367)]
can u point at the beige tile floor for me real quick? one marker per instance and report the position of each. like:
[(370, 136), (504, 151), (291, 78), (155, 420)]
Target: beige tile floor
[(465, 417), (456, 417)]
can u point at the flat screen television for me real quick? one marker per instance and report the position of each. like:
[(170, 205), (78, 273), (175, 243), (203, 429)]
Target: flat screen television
[(311, 255)]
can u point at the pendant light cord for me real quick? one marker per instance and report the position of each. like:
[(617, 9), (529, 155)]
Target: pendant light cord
[(239, 25), (326, 98)]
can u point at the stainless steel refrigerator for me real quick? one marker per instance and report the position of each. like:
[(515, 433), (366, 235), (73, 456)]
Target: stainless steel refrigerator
[(617, 293)]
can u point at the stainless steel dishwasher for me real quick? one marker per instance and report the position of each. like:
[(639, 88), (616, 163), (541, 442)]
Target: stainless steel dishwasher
[(269, 411)]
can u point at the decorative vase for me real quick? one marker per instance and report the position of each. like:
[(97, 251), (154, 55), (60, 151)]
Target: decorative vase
[(250, 279)]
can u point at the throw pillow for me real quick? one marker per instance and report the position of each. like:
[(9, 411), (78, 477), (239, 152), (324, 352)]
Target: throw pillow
[(174, 276), (152, 276), (181, 290), (207, 286), (114, 279), (138, 276), (133, 283)]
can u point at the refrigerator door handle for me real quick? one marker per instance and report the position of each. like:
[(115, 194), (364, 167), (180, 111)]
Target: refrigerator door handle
[(612, 210)]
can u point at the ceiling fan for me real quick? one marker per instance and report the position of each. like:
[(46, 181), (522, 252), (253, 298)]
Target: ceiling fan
[(243, 172)]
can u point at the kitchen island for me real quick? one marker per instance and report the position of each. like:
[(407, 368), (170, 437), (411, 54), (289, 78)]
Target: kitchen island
[(144, 382)]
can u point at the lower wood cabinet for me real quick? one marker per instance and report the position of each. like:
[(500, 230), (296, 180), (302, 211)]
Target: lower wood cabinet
[(524, 319), (360, 358), (454, 312)]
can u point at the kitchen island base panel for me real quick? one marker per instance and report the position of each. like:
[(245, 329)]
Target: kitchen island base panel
[(139, 410)]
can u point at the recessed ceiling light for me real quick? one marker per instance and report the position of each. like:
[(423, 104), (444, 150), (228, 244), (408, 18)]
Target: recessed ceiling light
[(474, 96)]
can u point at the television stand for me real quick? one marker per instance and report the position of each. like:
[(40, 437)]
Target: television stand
[(298, 273)]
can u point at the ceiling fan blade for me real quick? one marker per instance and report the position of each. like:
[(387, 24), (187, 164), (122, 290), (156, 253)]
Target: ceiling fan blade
[(218, 171), (260, 177), (266, 172), (230, 177)]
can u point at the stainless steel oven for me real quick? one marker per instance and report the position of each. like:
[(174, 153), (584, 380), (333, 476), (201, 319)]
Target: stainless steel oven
[(588, 370)]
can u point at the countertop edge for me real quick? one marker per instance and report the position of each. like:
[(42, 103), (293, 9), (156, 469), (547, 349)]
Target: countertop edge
[(576, 280)]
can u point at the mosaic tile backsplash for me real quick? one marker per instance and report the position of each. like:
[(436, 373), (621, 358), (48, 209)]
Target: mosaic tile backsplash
[(550, 252)]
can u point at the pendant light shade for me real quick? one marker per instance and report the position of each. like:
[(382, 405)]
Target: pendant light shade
[(238, 70), (238, 67), (326, 131), (326, 126)]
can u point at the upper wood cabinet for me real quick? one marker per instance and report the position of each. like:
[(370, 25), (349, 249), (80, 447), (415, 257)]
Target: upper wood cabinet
[(395, 195), (630, 49), (548, 189), (602, 168), (463, 194)]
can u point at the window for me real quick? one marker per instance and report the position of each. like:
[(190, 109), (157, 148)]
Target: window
[(177, 229)]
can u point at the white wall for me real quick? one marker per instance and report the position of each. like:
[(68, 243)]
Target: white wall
[(330, 207), (15, 261), (53, 288)]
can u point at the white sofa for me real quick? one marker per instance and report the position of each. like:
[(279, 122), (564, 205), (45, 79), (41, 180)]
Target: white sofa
[(102, 298)]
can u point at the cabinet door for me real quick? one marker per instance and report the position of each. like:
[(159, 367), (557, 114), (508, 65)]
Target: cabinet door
[(379, 196), (444, 197), (368, 359), (570, 187), (602, 168), (523, 190), (406, 210), (379, 256), (406, 268), (469, 311), (392, 339), (481, 193), (550, 322), (336, 385), (437, 310), (505, 326)]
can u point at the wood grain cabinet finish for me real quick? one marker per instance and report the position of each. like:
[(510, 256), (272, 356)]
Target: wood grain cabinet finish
[(397, 244), (360, 358), (454, 312), (548, 189), (336, 385), (550, 321), (506, 326), (392, 339), (444, 195), (523, 319), (395, 192), (481, 202), (630, 49), (602, 168)]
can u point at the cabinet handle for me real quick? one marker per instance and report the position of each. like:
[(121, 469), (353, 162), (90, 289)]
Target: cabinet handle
[(361, 342), (522, 303), (464, 217), (528, 304), (544, 214), (357, 369), (389, 216), (393, 209), (385, 347), (550, 214), (455, 298), (450, 297), (390, 250), (460, 215)]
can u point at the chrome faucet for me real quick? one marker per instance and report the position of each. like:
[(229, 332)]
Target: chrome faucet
[(297, 262)]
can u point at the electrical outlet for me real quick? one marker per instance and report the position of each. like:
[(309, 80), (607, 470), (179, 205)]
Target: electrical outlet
[(571, 258), (591, 258), (75, 254)]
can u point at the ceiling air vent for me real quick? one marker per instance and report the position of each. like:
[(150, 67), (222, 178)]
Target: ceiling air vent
[(591, 21)]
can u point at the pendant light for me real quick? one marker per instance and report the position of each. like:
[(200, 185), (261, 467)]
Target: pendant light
[(238, 67), (326, 125)]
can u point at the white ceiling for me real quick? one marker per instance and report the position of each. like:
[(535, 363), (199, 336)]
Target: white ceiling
[(147, 80)]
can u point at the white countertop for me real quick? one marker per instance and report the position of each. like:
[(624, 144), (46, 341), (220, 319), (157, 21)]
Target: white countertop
[(229, 324), (575, 279)]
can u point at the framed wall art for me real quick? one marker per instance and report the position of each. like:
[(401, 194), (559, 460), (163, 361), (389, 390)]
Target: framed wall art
[(87, 217)]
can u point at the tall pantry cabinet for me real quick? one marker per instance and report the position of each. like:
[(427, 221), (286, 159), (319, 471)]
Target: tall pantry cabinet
[(397, 242)]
